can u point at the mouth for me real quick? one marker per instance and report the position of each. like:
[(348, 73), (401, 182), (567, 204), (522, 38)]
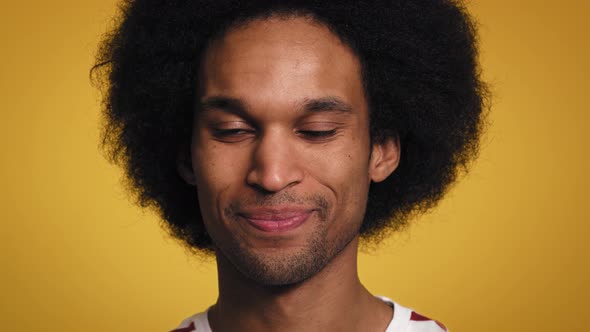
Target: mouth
[(276, 220)]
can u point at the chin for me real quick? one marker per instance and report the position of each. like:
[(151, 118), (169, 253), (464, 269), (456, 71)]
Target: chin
[(279, 267)]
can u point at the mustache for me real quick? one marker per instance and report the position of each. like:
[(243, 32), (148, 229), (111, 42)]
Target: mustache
[(313, 201)]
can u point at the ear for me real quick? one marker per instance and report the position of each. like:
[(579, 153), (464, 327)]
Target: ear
[(185, 170), (384, 158)]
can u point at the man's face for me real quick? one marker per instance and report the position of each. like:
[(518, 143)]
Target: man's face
[(280, 150)]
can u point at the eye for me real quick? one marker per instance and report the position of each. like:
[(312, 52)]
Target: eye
[(232, 135), (317, 134), (229, 132)]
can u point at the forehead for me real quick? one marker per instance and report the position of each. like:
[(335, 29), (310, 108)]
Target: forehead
[(282, 60)]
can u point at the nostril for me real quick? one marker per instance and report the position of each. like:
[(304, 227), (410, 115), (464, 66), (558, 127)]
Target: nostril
[(275, 176), (260, 189)]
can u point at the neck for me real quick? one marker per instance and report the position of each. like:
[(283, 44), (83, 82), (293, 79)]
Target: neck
[(332, 300)]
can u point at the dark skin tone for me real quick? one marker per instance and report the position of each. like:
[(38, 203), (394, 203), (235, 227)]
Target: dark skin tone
[(282, 162)]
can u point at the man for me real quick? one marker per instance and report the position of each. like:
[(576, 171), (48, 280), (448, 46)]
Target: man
[(276, 135)]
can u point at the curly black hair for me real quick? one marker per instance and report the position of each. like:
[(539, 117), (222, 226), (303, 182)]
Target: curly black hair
[(420, 72)]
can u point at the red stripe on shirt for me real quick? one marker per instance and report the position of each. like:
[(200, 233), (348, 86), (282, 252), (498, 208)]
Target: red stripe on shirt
[(417, 317), (189, 328)]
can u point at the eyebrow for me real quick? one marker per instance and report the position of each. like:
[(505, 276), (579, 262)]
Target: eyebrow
[(229, 104), (326, 104), (237, 106)]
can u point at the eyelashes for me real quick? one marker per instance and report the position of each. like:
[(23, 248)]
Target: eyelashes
[(318, 134), (234, 135)]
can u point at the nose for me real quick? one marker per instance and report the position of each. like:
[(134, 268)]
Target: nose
[(275, 164)]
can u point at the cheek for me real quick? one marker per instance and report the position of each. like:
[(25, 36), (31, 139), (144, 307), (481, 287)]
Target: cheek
[(344, 163), (216, 173), (215, 165), (344, 171)]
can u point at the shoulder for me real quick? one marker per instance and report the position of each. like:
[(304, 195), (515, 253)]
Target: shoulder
[(194, 323), (407, 320), (420, 323)]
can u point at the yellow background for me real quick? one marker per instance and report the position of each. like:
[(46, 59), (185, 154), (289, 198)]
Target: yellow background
[(506, 251)]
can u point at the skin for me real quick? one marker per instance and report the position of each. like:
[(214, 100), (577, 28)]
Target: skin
[(282, 138)]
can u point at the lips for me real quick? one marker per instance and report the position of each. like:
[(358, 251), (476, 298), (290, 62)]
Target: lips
[(276, 220)]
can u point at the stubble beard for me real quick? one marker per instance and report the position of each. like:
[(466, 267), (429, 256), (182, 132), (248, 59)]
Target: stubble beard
[(280, 266), (283, 267)]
